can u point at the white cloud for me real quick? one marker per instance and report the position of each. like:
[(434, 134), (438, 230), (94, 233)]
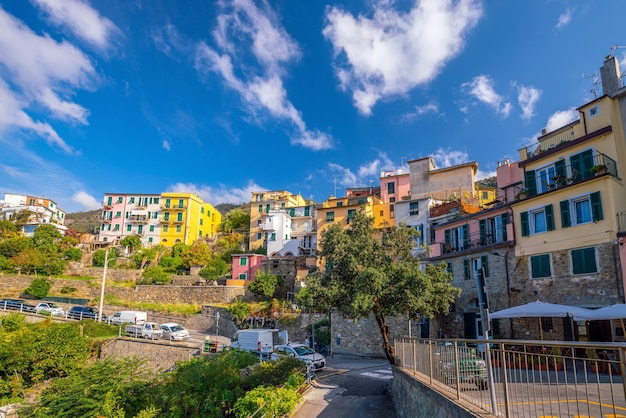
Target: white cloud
[(87, 201), (392, 52), (420, 111), (28, 173), (366, 174), (81, 19), (261, 89), (527, 98), (448, 158), (564, 19), (561, 118), (166, 145), (342, 176), (221, 194), (41, 73), (481, 87)]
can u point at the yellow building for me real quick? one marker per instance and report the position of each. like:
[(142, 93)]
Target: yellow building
[(341, 210), (568, 220), (262, 203), (185, 217)]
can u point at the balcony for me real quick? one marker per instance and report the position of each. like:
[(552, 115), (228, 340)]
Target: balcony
[(107, 220), (266, 227), (165, 206), (475, 241), (138, 219), (553, 178), (550, 143)]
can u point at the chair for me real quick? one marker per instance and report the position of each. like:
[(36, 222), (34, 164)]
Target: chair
[(574, 177)]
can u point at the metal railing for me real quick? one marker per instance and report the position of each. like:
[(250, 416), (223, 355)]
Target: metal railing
[(515, 378)]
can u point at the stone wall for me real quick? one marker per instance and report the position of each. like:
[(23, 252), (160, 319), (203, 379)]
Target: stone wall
[(159, 355), (412, 398)]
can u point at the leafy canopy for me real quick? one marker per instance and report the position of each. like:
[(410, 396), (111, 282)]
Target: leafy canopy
[(367, 272)]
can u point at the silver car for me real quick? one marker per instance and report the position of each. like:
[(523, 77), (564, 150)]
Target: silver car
[(173, 331), (301, 352), (49, 307)]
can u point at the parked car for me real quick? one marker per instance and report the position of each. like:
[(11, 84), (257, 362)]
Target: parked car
[(84, 312), (301, 352), (17, 305), (128, 317), (472, 368), (50, 308), (173, 331)]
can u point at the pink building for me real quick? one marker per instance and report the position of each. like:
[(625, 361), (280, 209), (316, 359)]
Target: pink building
[(245, 267)]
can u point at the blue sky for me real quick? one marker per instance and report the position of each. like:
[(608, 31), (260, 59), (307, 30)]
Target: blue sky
[(228, 97)]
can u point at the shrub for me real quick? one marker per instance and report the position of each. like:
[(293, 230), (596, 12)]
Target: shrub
[(38, 288), (157, 275), (73, 254)]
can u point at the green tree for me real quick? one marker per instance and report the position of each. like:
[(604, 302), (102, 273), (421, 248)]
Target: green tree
[(33, 260), (236, 220), (39, 288), (198, 254), (8, 230), (98, 257), (214, 269), (156, 275), (133, 242), (73, 254), (13, 246), (265, 283), (239, 310), (47, 238), (229, 244), (365, 275)]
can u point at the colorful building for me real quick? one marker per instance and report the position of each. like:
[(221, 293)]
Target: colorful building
[(245, 267), (39, 210)]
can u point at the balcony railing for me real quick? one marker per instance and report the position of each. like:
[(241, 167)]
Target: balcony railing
[(173, 207), (550, 143), (475, 241), (548, 180), (138, 219)]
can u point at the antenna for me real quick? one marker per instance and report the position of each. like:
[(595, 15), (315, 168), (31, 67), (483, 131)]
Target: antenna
[(595, 80), (402, 160), (335, 186), (614, 47)]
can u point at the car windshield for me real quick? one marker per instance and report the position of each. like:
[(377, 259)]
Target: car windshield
[(302, 350), (175, 328), (52, 305)]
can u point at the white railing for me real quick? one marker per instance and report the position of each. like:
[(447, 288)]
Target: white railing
[(522, 378)]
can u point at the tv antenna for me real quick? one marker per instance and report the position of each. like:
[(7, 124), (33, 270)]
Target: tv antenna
[(614, 47), (595, 79)]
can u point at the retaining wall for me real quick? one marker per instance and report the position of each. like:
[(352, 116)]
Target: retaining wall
[(412, 398)]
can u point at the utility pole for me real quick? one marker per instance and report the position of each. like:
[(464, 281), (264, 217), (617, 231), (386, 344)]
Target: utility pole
[(104, 275)]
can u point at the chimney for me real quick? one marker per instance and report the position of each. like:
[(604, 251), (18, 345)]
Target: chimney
[(610, 75)]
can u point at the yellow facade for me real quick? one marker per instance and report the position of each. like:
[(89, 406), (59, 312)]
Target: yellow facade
[(598, 134), (262, 203), (341, 210), (185, 218)]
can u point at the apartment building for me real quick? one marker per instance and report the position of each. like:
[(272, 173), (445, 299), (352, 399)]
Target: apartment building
[(185, 217), (395, 186), (130, 214), (165, 219), (261, 223), (37, 210)]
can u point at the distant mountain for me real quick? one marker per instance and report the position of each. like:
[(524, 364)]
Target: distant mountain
[(84, 221)]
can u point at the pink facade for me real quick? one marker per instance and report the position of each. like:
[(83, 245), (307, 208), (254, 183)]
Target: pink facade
[(245, 266), (394, 186)]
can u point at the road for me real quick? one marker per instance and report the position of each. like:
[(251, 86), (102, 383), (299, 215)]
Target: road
[(349, 387)]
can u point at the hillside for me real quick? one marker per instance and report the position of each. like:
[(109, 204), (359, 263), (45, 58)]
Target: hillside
[(84, 221)]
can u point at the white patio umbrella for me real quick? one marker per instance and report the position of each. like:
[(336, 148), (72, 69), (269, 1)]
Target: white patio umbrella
[(540, 309), (617, 311)]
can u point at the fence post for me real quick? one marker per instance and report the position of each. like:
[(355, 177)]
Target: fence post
[(414, 350), (505, 383), (622, 359)]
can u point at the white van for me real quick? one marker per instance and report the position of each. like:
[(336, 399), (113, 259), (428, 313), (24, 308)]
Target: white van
[(259, 340), (128, 317)]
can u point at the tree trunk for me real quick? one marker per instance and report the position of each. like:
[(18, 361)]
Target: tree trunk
[(384, 332)]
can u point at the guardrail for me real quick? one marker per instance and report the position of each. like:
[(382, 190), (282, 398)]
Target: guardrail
[(516, 378)]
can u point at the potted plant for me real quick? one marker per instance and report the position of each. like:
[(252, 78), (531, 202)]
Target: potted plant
[(556, 361), (594, 358), (522, 194), (598, 169)]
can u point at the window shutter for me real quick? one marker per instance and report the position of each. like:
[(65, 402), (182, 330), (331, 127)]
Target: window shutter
[(446, 238), (469, 322), (465, 236), (530, 180), (505, 222), (524, 222), (485, 264), (559, 168), (483, 231), (421, 238), (549, 218), (466, 269), (566, 221), (596, 207)]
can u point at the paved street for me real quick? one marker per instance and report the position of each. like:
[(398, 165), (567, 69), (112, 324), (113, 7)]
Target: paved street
[(350, 387)]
